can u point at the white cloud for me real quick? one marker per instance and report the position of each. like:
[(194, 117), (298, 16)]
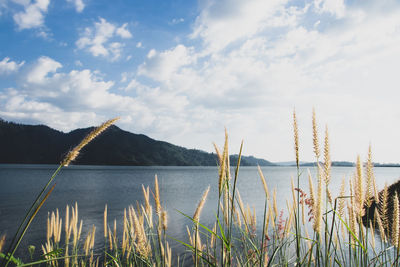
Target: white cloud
[(223, 22), (161, 66), (39, 73), (79, 98), (33, 14), (98, 40), (8, 67), (123, 32), (79, 5), (334, 7), (257, 60), (251, 79)]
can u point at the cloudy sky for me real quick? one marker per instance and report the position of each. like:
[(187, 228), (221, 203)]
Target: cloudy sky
[(182, 70)]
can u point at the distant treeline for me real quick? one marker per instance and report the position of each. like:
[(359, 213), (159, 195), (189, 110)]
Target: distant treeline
[(39, 144)]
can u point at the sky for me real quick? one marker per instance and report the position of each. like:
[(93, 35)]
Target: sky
[(182, 70)]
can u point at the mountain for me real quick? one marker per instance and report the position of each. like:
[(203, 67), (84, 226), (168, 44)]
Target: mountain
[(314, 164), (40, 144)]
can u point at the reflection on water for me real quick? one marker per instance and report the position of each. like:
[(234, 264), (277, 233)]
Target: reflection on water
[(181, 188)]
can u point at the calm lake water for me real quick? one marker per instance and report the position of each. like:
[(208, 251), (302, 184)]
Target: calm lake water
[(92, 187)]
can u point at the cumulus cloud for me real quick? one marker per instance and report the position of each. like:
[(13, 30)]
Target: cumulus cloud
[(8, 67), (123, 32), (98, 40), (249, 77), (33, 14), (78, 98), (257, 60), (222, 22), (161, 66), (333, 7), (79, 5)]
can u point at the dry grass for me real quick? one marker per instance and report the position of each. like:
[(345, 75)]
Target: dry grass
[(315, 230)]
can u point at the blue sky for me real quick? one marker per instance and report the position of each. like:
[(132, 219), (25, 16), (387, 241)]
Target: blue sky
[(181, 71)]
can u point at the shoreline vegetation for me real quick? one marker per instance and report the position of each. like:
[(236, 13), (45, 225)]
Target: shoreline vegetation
[(359, 227), (40, 144)]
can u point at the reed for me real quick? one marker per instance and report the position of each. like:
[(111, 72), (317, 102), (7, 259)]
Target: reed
[(330, 236)]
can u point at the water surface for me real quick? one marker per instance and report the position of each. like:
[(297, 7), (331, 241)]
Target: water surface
[(92, 187)]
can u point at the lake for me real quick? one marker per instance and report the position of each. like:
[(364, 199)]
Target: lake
[(181, 188)]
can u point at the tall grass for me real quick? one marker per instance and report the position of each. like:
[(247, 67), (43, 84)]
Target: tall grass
[(317, 229)]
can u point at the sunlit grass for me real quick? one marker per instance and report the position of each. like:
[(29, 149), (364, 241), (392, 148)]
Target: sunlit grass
[(316, 229)]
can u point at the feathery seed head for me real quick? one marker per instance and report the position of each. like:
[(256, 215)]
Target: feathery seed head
[(327, 158), (71, 156), (359, 188), (370, 182), (196, 215), (396, 221), (318, 207), (2, 242), (315, 135), (164, 219), (383, 206), (157, 196), (341, 201), (263, 182), (105, 221)]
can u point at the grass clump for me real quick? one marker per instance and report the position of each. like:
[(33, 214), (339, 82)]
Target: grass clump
[(317, 228)]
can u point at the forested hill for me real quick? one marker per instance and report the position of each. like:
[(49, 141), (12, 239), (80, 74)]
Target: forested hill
[(39, 144)]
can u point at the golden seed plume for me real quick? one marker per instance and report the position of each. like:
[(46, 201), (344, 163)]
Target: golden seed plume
[(272, 216), (147, 209), (263, 182), (164, 220), (396, 221), (92, 237), (341, 200), (218, 153), (125, 235), (275, 205), (318, 206), (67, 225), (315, 135), (110, 239), (2, 242), (157, 196), (146, 194), (254, 218), (115, 229), (296, 137), (383, 206), (105, 221), (196, 215), (266, 226), (168, 258), (226, 207), (293, 191), (142, 245), (359, 188), (380, 226), (369, 190), (224, 166), (71, 156), (213, 234), (352, 222), (327, 159)]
